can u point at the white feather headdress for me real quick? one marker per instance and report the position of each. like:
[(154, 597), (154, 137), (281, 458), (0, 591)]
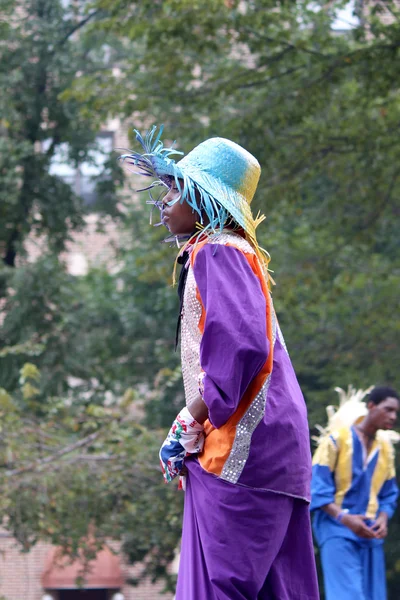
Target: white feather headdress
[(351, 409)]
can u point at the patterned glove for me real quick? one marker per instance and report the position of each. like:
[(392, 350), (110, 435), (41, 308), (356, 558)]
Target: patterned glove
[(185, 437)]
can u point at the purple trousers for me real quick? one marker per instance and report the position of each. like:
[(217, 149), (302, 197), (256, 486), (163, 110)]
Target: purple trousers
[(240, 543)]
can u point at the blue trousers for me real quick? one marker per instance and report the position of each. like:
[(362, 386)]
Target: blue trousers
[(353, 571)]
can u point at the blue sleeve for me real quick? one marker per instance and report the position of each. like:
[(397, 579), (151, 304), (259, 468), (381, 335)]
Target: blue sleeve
[(388, 497), (323, 487), (389, 492)]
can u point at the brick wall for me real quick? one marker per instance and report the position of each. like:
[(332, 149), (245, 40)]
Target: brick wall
[(20, 574), (386, 16)]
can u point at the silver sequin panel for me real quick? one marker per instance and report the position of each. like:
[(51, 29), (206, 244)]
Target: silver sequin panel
[(230, 237), (190, 339), (247, 425), (244, 430), (282, 339), (191, 313), (276, 329), (274, 322)]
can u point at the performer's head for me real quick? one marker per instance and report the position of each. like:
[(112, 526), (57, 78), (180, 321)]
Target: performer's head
[(204, 192), (176, 214), (383, 405)]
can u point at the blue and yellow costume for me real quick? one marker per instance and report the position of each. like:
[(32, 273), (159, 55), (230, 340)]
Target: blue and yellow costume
[(354, 567)]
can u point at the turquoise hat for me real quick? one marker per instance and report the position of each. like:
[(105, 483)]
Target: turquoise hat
[(218, 178)]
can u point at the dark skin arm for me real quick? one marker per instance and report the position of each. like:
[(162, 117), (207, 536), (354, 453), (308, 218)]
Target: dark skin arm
[(198, 409), (381, 526), (356, 523)]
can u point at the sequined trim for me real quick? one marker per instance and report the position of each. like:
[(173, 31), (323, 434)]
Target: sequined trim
[(244, 430), (190, 339), (276, 330), (274, 322), (230, 237), (191, 314), (281, 338), (201, 383)]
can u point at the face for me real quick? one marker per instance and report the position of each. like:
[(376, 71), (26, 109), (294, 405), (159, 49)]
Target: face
[(178, 216), (384, 414)]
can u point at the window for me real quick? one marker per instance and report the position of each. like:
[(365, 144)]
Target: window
[(96, 594), (82, 178)]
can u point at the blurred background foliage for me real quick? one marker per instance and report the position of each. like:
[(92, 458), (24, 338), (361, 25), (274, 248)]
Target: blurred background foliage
[(316, 100)]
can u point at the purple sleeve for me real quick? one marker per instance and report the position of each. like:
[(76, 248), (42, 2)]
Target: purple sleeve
[(234, 346)]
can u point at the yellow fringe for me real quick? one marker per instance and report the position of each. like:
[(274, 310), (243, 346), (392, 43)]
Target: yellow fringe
[(264, 258), (259, 219), (262, 254)]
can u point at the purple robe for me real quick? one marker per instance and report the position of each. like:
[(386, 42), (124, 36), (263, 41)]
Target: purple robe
[(246, 531)]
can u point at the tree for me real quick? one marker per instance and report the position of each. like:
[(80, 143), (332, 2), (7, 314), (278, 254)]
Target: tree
[(97, 409), (320, 110), (48, 454), (67, 418), (103, 332), (41, 54)]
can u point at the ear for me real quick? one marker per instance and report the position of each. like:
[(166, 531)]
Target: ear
[(370, 405)]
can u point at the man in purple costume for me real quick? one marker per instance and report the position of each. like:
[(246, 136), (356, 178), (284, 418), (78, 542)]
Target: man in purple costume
[(242, 440)]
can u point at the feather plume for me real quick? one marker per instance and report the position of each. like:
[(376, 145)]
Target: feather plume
[(350, 410)]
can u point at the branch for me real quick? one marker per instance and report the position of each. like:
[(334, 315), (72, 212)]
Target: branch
[(287, 44), (54, 142), (344, 60), (78, 26), (33, 466), (386, 199), (266, 81), (92, 458), (393, 11)]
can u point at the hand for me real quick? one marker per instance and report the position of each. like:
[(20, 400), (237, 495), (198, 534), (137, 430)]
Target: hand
[(185, 437), (381, 526), (184, 471), (358, 526)]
